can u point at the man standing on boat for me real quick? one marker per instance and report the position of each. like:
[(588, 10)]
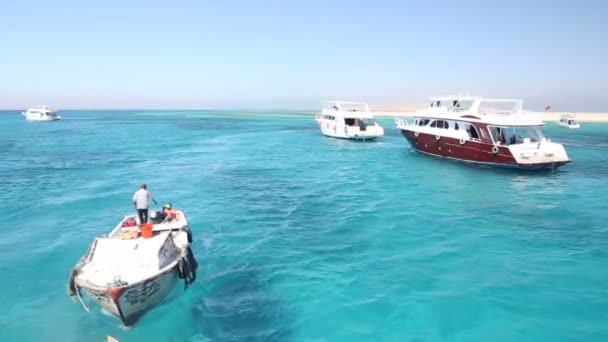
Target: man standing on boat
[(141, 201)]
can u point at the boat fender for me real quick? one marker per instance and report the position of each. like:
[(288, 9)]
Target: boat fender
[(437, 137), (494, 149), (71, 290), (462, 141), (188, 233), (416, 134), (187, 266)]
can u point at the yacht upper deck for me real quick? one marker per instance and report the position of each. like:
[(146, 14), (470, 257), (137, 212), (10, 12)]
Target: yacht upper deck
[(492, 111)]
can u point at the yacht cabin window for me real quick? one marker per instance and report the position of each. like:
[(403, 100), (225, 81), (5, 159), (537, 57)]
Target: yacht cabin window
[(473, 132), (440, 124), (423, 122)]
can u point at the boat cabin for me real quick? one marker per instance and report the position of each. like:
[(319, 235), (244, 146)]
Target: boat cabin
[(477, 131)]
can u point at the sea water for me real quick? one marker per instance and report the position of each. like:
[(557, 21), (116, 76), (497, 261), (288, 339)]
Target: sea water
[(301, 237)]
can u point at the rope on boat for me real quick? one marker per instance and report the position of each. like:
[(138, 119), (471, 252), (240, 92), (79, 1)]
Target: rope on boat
[(73, 289), (86, 308)]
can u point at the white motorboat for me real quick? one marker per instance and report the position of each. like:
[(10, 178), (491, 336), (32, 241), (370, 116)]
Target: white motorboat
[(43, 113), (348, 120), (126, 273), (569, 121)]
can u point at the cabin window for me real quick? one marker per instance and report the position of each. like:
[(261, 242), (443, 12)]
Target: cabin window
[(438, 103), (473, 132), (440, 124), (423, 122), (455, 126), (349, 121), (498, 134), (367, 122)]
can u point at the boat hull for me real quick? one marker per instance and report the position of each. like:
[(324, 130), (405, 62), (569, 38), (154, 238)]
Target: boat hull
[(471, 151), (129, 302), (355, 137), (43, 119)]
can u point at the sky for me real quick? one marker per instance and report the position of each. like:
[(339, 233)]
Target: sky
[(296, 54)]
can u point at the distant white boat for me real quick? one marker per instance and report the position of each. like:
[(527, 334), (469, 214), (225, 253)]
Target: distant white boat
[(568, 120), (348, 120), (43, 113)]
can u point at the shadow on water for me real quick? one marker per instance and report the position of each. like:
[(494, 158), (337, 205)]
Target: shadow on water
[(240, 307)]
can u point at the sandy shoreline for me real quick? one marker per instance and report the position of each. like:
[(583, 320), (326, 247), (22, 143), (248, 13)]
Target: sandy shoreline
[(547, 116)]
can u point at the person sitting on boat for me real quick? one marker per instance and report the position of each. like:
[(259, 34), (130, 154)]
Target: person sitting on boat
[(503, 139), (166, 215)]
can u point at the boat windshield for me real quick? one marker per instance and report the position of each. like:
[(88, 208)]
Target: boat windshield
[(515, 135), (368, 122), (360, 122)]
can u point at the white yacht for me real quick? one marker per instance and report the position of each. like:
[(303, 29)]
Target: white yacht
[(43, 113), (568, 120), (348, 120)]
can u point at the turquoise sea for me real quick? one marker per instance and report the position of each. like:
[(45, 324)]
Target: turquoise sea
[(300, 237)]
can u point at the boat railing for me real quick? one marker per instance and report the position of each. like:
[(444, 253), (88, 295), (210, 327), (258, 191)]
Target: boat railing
[(400, 121)]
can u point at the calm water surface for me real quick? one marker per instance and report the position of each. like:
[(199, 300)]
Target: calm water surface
[(305, 238)]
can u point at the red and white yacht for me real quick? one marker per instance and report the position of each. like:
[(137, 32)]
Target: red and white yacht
[(486, 131)]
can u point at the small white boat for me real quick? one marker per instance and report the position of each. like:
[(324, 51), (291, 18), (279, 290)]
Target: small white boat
[(348, 120), (568, 120), (127, 274), (43, 113)]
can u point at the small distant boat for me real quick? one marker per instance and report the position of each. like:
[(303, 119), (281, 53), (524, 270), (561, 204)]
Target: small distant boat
[(569, 121), (484, 131), (43, 113), (348, 120), (126, 273)]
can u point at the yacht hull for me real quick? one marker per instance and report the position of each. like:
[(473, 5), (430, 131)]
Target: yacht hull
[(471, 151)]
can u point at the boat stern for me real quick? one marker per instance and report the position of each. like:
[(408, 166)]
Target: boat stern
[(370, 132), (541, 155)]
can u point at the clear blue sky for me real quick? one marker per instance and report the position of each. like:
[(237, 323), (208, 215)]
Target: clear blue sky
[(295, 54)]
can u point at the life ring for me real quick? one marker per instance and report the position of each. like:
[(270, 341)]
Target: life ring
[(462, 141), (437, 137), (494, 149), (416, 134)]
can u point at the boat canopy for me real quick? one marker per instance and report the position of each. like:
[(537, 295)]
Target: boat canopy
[(346, 109), (502, 112), (347, 106)]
